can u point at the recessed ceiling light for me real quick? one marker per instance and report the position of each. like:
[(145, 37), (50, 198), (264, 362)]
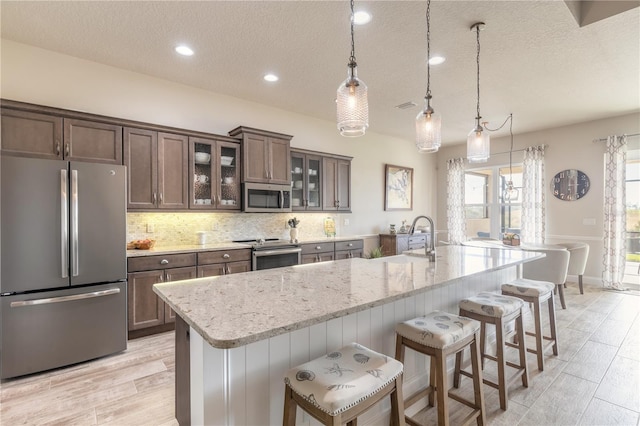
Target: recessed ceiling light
[(271, 77), (361, 17), (436, 60), (184, 50)]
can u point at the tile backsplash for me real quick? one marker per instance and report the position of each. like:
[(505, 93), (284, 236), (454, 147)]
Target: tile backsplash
[(181, 228)]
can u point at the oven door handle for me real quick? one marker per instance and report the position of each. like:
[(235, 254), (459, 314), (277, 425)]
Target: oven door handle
[(261, 253)]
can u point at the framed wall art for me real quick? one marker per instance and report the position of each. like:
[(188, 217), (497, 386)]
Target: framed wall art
[(398, 183)]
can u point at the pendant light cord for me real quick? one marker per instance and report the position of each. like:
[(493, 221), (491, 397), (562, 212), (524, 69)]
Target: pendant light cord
[(428, 94), (510, 120), (352, 59), (478, 117)]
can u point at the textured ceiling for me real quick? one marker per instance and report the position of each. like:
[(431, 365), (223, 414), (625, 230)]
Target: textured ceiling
[(536, 61)]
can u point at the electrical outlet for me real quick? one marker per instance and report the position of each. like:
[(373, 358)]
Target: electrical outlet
[(150, 228), (346, 222)]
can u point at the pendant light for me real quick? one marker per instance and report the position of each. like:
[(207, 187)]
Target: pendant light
[(351, 98), (428, 122), (478, 140), (511, 193)]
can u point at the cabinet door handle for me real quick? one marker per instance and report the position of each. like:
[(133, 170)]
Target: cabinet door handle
[(225, 256), (160, 279), (160, 198), (338, 203), (66, 150), (228, 269), (164, 262), (317, 258), (58, 148), (168, 277), (155, 199)]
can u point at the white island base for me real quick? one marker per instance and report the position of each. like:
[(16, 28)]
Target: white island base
[(244, 385)]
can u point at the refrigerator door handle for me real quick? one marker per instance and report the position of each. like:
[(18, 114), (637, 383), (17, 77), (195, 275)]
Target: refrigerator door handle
[(75, 252), (64, 225), (49, 300)]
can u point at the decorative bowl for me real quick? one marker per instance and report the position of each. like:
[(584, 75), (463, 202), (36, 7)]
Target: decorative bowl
[(226, 161), (202, 157)]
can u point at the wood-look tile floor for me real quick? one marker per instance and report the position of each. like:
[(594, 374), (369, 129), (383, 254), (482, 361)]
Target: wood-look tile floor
[(594, 381)]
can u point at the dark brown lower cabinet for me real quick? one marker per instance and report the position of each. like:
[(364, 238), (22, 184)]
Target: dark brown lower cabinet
[(147, 313), (183, 373)]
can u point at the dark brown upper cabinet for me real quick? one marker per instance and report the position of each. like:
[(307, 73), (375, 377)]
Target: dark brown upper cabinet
[(266, 156), (306, 177), (336, 184), (215, 174), (32, 134), (158, 169)]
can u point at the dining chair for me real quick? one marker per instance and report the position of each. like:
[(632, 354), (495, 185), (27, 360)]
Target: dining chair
[(552, 268), (579, 253)]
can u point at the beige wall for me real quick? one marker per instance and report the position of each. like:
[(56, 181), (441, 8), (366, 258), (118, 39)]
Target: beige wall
[(44, 77), (569, 147)]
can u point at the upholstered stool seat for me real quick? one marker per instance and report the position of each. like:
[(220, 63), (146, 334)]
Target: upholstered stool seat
[(339, 386), (491, 308), (537, 292), (438, 335)]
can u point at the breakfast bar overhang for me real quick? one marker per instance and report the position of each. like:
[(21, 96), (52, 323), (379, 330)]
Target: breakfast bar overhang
[(237, 335)]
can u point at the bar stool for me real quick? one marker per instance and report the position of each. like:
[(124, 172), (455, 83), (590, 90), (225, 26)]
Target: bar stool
[(438, 335), (491, 308), (338, 387), (536, 292)]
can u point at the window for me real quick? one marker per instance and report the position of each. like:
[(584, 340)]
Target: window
[(488, 213), (632, 269)]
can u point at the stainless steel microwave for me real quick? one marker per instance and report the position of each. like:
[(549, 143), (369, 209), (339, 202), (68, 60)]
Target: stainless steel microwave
[(264, 197)]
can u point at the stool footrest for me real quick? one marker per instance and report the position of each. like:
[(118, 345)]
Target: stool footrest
[(461, 400), (417, 396), (544, 347)]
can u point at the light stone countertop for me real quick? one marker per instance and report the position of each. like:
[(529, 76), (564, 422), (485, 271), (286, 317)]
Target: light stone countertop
[(227, 245), (238, 309)]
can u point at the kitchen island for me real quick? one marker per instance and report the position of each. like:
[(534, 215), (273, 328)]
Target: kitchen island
[(238, 334)]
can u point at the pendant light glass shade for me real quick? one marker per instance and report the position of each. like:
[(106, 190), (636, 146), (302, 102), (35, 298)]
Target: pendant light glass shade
[(478, 145), (428, 129), (510, 192), (428, 122), (352, 105), (478, 142)]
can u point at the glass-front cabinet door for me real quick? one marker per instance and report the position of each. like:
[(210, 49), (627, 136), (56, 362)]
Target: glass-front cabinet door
[(228, 176), (215, 182), (305, 181)]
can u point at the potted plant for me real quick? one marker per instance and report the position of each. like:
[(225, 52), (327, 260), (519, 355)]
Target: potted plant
[(293, 232), (375, 252)]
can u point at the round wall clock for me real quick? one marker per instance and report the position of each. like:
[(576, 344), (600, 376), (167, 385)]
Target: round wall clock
[(570, 185)]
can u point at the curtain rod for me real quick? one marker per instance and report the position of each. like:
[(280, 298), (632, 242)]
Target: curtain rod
[(517, 150), (605, 139)]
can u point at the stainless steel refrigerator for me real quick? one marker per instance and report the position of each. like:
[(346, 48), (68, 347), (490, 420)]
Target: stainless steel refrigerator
[(63, 263)]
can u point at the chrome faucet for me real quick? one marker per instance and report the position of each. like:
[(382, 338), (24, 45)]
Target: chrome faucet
[(429, 249)]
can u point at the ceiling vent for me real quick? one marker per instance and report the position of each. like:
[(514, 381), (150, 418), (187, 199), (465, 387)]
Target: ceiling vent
[(406, 105)]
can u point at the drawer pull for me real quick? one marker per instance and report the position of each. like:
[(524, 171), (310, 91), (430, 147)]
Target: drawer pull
[(350, 245), (226, 256), (164, 262), (318, 247)]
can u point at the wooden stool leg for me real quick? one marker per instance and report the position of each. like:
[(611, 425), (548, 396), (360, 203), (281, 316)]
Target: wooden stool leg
[(537, 321), (397, 404), (483, 339), (442, 390), (552, 321), (399, 349), (456, 371), (561, 292), (522, 349), (478, 393), (432, 381), (502, 388), (289, 417)]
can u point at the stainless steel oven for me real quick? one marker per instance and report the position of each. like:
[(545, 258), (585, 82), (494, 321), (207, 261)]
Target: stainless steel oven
[(260, 197), (275, 257)]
